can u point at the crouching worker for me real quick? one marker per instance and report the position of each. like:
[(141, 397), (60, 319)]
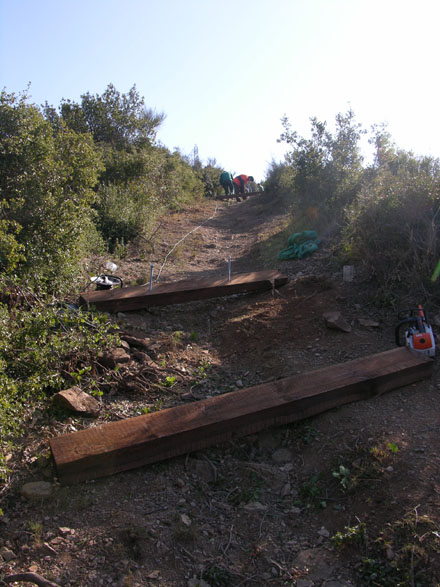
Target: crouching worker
[(240, 185), (227, 183)]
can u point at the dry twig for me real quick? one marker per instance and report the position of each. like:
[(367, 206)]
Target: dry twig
[(29, 578)]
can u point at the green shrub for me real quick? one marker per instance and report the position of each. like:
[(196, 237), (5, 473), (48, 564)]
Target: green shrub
[(326, 168), (279, 178), (393, 225), (41, 343), (47, 174)]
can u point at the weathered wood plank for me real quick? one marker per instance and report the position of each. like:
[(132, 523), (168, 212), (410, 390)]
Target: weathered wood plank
[(138, 297), (240, 195), (119, 446)]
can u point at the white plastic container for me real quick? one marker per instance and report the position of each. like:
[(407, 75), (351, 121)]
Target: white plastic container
[(348, 273)]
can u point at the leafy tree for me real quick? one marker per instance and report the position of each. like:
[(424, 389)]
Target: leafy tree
[(208, 174), (127, 208), (345, 170), (279, 177), (393, 226), (121, 120), (308, 158), (140, 178), (46, 180), (327, 169)]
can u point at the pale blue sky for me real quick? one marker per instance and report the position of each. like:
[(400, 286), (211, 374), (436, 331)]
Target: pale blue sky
[(224, 72)]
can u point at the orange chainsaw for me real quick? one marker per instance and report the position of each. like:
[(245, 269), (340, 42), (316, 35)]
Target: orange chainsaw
[(415, 332)]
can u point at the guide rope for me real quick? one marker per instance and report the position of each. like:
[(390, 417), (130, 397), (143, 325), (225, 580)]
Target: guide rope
[(183, 238)]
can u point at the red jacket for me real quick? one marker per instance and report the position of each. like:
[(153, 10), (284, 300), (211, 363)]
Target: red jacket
[(241, 179)]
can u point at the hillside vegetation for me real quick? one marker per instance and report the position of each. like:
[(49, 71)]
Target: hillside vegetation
[(90, 179)]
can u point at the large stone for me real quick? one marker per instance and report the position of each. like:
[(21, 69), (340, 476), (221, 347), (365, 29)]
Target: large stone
[(7, 554), (37, 490), (76, 400), (114, 357), (133, 341), (335, 321)]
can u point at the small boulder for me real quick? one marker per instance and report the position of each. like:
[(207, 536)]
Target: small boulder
[(133, 341), (335, 321), (76, 400), (114, 357), (7, 554), (286, 490), (185, 519), (37, 490), (125, 346), (144, 358)]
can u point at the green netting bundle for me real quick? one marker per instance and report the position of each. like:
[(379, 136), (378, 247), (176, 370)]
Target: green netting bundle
[(300, 245)]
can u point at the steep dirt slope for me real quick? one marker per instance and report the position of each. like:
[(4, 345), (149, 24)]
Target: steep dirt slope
[(261, 510)]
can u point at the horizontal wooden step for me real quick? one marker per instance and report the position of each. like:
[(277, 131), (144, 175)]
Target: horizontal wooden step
[(240, 195), (123, 445), (140, 296)]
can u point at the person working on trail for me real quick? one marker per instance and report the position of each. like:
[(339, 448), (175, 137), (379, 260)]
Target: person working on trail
[(227, 183), (251, 186), (240, 183)]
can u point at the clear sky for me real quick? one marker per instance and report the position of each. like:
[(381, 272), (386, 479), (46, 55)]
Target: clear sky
[(225, 71)]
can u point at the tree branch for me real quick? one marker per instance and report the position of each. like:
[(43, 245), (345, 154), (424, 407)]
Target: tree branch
[(29, 578)]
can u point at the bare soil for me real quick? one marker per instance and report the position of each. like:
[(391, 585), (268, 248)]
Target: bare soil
[(264, 509)]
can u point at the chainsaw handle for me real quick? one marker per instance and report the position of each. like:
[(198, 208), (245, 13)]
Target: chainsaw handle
[(119, 279), (412, 313), (409, 320)]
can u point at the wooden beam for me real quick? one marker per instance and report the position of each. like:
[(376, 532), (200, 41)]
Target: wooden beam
[(245, 195), (138, 297), (119, 446)]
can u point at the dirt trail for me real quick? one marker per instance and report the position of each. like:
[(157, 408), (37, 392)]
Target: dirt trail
[(220, 230), (261, 510)]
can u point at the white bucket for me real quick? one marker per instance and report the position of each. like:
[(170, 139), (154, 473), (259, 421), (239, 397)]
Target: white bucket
[(348, 273)]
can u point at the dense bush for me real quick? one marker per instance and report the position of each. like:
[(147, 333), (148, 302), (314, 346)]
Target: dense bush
[(119, 120), (43, 346), (72, 182), (140, 178), (388, 211), (46, 180), (326, 170), (210, 175), (393, 226), (279, 177)]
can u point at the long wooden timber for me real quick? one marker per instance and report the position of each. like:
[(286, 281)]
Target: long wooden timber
[(140, 296), (119, 446), (245, 195)]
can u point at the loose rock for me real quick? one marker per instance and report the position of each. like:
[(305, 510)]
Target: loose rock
[(37, 490), (186, 520), (6, 554), (114, 357), (76, 400), (335, 321)]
